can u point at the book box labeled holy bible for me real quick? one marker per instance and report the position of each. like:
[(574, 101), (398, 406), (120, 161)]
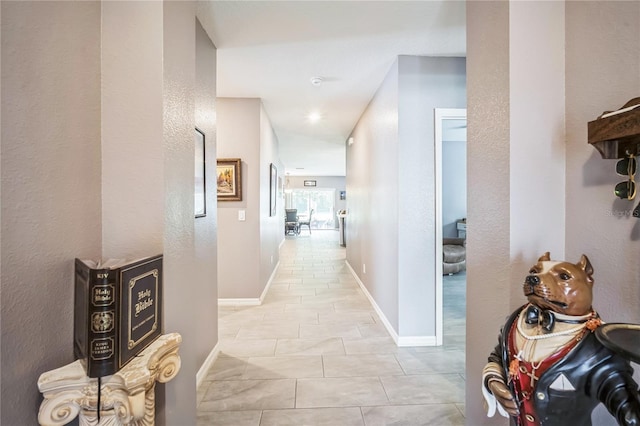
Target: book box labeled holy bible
[(118, 311)]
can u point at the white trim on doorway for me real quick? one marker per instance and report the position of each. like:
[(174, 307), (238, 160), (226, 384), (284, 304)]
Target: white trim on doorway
[(441, 114)]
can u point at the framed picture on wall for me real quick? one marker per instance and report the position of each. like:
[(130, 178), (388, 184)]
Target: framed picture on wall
[(309, 183), (273, 189), (229, 179), (200, 201)]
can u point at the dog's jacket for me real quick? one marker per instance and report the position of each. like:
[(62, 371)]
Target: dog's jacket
[(595, 373)]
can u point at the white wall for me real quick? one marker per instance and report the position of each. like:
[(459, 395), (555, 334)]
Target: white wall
[(248, 250), (391, 191), (537, 74)]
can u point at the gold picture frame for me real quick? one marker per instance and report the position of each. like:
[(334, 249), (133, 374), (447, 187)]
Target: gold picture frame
[(229, 179)]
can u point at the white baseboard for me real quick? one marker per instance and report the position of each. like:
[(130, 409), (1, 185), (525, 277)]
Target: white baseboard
[(206, 365), (245, 301), (382, 316), (269, 282), (251, 301), (401, 341), (417, 341), (213, 355)]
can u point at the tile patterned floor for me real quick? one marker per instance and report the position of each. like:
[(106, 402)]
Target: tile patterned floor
[(316, 353)]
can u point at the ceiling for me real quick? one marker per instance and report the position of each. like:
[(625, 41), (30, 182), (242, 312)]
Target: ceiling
[(272, 49)]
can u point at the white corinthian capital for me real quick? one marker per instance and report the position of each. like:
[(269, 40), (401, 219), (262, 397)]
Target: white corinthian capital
[(126, 398)]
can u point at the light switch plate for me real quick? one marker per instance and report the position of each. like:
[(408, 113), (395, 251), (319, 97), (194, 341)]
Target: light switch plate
[(241, 215)]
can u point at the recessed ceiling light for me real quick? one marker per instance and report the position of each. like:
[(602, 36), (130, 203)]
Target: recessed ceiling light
[(316, 81), (314, 117)]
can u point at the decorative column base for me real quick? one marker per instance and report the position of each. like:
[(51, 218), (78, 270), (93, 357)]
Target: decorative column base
[(126, 398)]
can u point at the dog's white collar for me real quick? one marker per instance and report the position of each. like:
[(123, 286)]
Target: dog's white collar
[(565, 318), (574, 318)]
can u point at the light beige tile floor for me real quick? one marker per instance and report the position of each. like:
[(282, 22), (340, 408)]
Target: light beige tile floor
[(316, 353)]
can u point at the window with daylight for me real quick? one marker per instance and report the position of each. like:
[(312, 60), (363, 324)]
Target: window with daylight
[(321, 201)]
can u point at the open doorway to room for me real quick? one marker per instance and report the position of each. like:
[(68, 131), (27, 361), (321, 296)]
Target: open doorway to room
[(451, 226)]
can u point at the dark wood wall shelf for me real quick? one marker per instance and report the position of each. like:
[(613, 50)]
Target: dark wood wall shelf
[(616, 134)]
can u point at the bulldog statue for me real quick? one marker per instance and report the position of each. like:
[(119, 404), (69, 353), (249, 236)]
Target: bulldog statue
[(548, 367)]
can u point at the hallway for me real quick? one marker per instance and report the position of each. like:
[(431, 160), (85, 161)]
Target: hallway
[(316, 353)]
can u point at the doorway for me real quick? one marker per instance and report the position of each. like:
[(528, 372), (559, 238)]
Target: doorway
[(450, 127)]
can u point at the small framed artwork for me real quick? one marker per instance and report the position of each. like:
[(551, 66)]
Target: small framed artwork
[(200, 193), (273, 182), (309, 183), (229, 179)]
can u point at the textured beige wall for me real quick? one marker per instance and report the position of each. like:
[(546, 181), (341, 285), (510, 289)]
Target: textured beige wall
[(537, 73), (0, 199), (239, 241), (372, 222), (603, 73), (489, 284), (515, 165), (206, 228), (537, 135), (390, 226), (271, 227), (425, 83), (183, 288), (50, 186), (74, 150), (248, 251), (132, 152)]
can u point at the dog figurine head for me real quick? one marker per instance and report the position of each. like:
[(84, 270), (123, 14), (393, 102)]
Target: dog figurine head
[(561, 287)]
